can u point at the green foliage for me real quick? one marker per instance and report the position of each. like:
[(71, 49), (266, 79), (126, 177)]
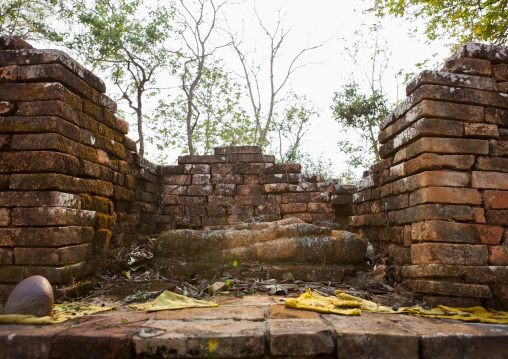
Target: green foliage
[(463, 21), (30, 19), (291, 127), (126, 40), (361, 113), (218, 119)]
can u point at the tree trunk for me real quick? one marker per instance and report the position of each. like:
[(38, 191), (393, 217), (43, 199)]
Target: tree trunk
[(139, 113)]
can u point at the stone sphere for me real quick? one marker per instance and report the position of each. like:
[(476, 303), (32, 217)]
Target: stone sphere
[(34, 295)]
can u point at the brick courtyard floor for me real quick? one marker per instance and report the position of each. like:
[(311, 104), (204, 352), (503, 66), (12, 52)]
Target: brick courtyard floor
[(256, 326)]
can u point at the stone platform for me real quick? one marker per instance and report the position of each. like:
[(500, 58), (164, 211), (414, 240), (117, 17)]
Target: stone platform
[(256, 326)]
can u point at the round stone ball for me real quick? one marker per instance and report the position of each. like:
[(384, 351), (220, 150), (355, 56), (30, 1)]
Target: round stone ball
[(33, 295)]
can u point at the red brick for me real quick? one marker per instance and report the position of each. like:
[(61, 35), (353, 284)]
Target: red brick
[(237, 149), (454, 289), (196, 169), (444, 231), (308, 187), (320, 207), (38, 91), (282, 178), (171, 170), (7, 108), (6, 257), (267, 209), (490, 180), (52, 216), (44, 181), (52, 256), (177, 179), (38, 161), (195, 211), (216, 211), (445, 195), (220, 200), (255, 169), (276, 187), (444, 146), (293, 208), (224, 189), (55, 275), (306, 197), (249, 190), (444, 253), (447, 79), (480, 130), (491, 164), (8, 73), (45, 236), (250, 200), (5, 217), (286, 168), (496, 199), (498, 148), (468, 66), (431, 211), (227, 179), (201, 179), (216, 221), (498, 255), (426, 179), (485, 98), (199, 190), (39, 199), (496, 116), (341, 198)]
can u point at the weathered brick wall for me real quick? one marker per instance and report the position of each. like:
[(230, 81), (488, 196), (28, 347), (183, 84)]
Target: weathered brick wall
[(68, 177), (73, 190), (437, 202), (240, 184)]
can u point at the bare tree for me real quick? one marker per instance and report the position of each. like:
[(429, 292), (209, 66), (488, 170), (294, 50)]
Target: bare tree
[(252, 74), (198, 26)]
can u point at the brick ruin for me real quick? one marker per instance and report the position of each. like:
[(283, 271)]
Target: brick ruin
[(73, 190)]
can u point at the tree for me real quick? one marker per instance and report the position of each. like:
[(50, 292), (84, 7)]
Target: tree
[(198, 27), (30, 19), (112, 36), (361, 113), (462, 21), (292, 127), (222, 121), (252, 75)]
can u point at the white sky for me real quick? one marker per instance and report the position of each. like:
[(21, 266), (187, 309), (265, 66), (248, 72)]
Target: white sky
[(313, 23)]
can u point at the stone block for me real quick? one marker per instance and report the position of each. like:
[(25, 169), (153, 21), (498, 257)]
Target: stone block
[(444, 253), (171, 170), (498, 148), (250, 200), (319, 207), (237, 149), (249, 190), (225, 189), (8, 73), (199, 190), (5, 217), (6, 256), (282, 178), (341, 198), (484, 274), (55, 275), (485, 98), (182, 180), (435, 270), (276, 187), (7, 108), (227, 179), (38, 124), (286, 168)]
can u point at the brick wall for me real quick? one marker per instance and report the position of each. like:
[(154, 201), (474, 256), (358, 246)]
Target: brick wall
[(437, 202), (68, 176), (240, 184), (73, 190)]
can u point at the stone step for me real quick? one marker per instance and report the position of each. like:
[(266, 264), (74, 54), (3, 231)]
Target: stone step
[(253, 326)]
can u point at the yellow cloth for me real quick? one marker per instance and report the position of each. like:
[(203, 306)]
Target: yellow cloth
[(61, 313), (169, 300), (342, 302)]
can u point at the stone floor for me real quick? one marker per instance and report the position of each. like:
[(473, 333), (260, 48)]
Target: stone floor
[(256, 326)]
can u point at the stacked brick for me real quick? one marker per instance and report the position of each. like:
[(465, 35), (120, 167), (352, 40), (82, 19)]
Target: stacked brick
[(437, 202), (65, 164), (240, 184)]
